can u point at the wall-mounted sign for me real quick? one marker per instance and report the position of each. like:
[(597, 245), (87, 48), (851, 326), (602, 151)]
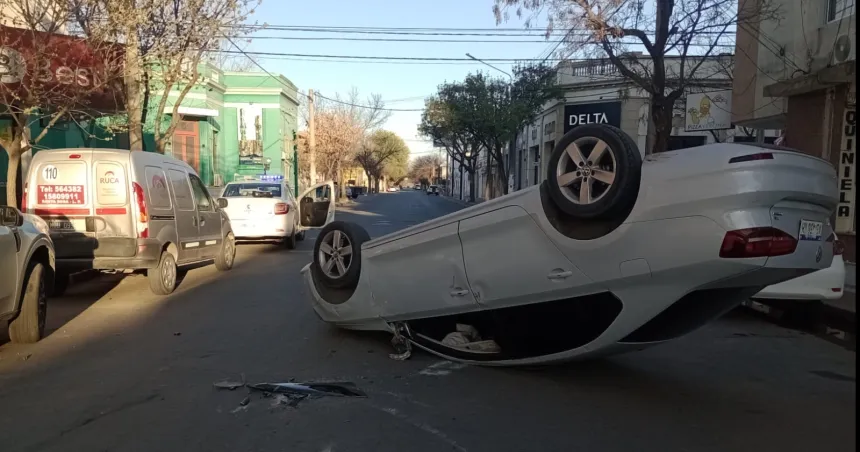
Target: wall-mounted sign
[(599, 113), (709, 111), (845, 211), (65, 68)]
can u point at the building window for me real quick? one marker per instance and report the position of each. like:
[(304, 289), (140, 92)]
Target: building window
[(839, 9)]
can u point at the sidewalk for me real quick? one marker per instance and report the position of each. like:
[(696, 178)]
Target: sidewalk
[(461, 202)]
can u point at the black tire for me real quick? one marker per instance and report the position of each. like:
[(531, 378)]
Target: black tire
[(289, 241), (622, 156), (164, 278), (61, 283), (227, 255), (29, 326), (300, 236), (356, 236)]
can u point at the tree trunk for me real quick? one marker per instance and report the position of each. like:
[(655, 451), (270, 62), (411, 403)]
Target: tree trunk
[(339, 177), (12, 173), (662, 117), (472, 185), (134, 96)]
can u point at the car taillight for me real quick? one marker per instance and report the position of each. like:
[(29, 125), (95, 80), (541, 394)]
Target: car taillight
[(142, 216), (24, 199), (752, 157), (838, 247), (757, 242), (281, 208)]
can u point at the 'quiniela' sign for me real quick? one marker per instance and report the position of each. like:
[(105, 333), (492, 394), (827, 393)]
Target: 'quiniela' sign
[(845, 211)]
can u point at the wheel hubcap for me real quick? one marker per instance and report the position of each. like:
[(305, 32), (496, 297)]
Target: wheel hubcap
[(229, 251), (168, 274), (586, 170), (335, 254)]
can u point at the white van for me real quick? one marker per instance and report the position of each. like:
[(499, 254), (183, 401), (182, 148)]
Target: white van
[(120, 210)]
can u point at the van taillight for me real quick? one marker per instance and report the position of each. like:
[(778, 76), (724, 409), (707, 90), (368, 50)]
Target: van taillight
[(142, 216), (281, 208), (24, 199), (757, 242)]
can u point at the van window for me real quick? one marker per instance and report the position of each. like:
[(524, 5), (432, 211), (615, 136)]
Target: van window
[(181, 189), (159, 194), (200, 195), (111, 185), (61, 183)]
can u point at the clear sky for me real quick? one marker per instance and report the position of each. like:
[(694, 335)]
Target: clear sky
[(403, 84)]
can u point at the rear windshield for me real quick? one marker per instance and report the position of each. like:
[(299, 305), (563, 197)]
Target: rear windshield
[(253, 190)]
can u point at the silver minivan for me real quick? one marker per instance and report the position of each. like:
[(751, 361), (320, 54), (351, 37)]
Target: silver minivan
[(110, 209)]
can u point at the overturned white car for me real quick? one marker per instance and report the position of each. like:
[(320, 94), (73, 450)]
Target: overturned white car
[(607, 255)]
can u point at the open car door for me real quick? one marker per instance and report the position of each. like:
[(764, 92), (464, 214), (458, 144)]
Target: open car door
[(317, 205)]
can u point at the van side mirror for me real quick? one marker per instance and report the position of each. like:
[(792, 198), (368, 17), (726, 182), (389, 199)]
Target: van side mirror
[(222, 203), (11, 217)]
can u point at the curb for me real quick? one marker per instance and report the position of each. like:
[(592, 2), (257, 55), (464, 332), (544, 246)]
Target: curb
[(460, 202), (829, 322)]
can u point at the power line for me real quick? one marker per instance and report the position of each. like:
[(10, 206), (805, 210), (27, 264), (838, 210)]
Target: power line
[(370, 107)]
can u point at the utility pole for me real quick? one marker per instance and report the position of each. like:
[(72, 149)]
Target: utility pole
[(312, 138)]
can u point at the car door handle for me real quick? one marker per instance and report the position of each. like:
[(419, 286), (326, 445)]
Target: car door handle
[(556, 275), (459, 292)]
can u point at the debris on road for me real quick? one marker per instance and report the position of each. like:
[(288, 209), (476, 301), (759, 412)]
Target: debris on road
[(334, 389), (291, 393), (177, 333), (402, 346), (228, 385)]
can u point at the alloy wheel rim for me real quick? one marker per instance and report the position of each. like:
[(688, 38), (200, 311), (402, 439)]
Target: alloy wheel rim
[(335, 254), (586, 171), (168, 274)]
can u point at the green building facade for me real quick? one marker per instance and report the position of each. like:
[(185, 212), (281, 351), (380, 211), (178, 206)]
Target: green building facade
[(232, 124)]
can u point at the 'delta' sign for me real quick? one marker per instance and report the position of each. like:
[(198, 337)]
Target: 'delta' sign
[(599, 113), (59, 69)]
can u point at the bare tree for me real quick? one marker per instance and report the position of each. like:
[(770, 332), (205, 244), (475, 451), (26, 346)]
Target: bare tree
[(686, 31), (47, 77), (382, 154), (441, 122), (230, 56), (165, 42)]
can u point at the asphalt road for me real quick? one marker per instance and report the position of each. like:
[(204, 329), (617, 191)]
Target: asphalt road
[(126, 371)]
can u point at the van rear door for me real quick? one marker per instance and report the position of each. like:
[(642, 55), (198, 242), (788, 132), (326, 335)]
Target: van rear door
[(83, 196)]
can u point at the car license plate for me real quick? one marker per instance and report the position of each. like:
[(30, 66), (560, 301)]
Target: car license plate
[(811, 230), (61, 225)]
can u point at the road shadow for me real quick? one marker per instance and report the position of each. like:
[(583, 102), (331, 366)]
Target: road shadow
[(84, 291)]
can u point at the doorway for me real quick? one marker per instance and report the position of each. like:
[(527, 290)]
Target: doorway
[(186, 143)]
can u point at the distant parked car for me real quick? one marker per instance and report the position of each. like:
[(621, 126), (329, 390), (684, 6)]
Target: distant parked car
[(433, 190), (26, 274)]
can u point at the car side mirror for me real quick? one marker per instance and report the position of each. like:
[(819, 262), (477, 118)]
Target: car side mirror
[(11, 217), (221, 202)]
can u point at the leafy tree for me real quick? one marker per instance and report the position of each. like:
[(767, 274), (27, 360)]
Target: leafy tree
[(425, 168), (489, 112), (440, 122), (688, 31), (383, 154)]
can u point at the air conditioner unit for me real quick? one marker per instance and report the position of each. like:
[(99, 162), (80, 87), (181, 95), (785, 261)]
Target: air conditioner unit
[(844, 49)]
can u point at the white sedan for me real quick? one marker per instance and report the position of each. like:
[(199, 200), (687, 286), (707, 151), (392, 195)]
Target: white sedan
[(609, 254), (826, 284), (268, 211)]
